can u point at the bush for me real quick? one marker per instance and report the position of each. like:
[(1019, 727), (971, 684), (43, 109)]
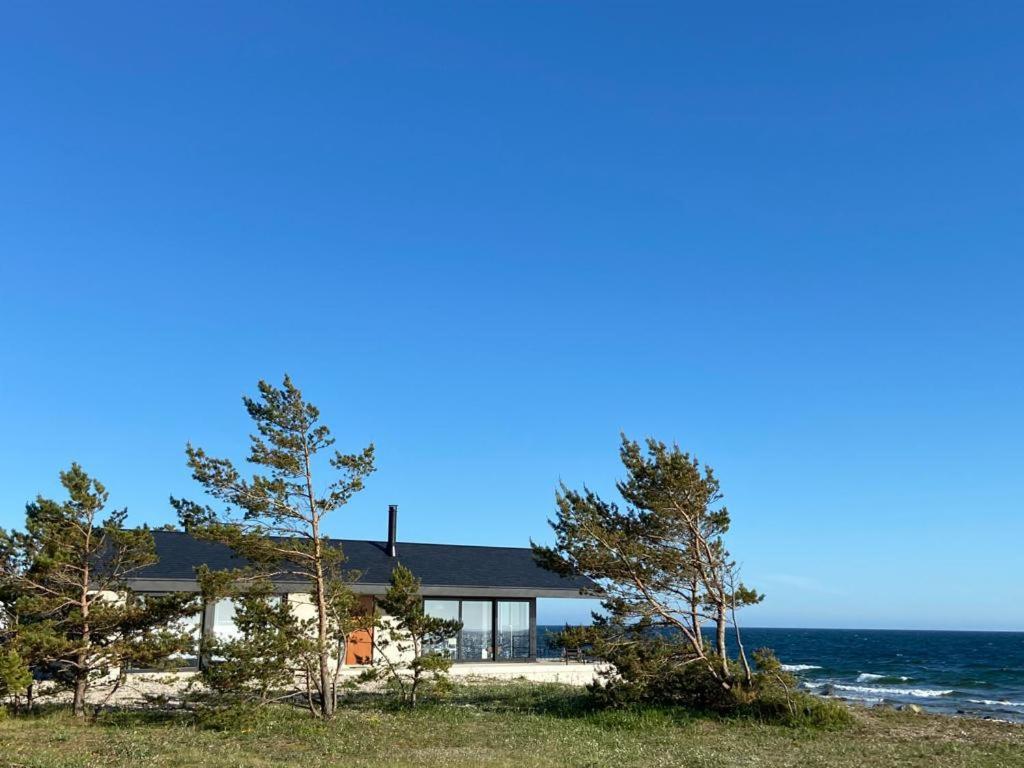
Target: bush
[(660, 670), (800, 710), (656, 672), (15, 677), (258, 664)]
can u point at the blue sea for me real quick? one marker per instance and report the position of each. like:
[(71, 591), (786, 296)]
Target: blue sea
[(977, 674)]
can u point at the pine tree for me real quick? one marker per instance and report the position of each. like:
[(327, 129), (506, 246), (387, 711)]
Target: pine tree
[(259, 659), (660, 562), (15, 676), (276, 520), (408, 638), (65, 585)]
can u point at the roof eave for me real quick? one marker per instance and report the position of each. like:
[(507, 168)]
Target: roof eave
[(368, 588)]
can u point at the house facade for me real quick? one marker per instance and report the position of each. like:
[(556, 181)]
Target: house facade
[(493, 591)]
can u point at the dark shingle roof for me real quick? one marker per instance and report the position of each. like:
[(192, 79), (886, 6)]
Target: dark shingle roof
[(436, 565)]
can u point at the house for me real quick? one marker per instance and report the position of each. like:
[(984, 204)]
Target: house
[(493, 591)]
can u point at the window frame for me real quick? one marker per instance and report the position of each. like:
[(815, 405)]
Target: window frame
[(531, 601)]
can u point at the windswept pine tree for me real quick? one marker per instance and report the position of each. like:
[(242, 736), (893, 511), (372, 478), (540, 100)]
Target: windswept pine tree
[(69, 611), (275, 519), (661, 564), (409, 638)]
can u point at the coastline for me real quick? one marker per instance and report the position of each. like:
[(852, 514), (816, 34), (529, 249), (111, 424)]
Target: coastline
[(916, 709)]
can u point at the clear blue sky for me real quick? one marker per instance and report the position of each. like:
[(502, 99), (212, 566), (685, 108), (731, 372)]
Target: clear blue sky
[(489, 237)]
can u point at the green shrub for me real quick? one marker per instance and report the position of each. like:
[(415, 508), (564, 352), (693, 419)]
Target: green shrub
[(659, 670), (655, 672), (15, 677), (258, 664), (798, 710)]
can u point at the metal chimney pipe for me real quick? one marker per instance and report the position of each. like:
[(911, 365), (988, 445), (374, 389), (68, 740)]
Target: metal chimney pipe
[(392, 529)]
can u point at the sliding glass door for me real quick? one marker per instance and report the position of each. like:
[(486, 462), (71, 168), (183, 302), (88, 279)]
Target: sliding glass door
[(513, 636), (491, 629), (476, 638), (444, 609)]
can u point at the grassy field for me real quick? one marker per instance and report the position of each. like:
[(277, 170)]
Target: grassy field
[(515, 725)]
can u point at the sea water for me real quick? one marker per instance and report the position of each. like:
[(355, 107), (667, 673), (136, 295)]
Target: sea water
[(980, 674)]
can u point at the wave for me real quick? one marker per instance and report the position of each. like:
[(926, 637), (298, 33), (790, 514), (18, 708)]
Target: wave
[(799, 667), (826, 687), (871, 677), (991, 703), (921, 693)]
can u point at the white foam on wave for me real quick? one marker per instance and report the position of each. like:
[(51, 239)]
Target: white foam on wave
[(870, 677), (991, 703), (920, 693), (799, 667), (817, 686)]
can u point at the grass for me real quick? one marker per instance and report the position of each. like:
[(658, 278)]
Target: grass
[(517, 725)]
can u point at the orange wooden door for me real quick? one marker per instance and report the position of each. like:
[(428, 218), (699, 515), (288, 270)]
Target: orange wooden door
[(360, 643)]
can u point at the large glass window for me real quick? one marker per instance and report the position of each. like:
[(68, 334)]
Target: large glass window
[(190, 625), (444, 609), (513, 629), (193, 626), (224, 627), (476, 637), (480, 634), (224, 620)]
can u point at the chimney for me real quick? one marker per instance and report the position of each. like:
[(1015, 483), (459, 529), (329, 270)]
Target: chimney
[(392, 528)]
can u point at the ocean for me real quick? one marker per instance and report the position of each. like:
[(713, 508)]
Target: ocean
[(979, 674)]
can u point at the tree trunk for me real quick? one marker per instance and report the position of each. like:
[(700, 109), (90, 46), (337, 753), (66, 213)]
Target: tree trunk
[(720, 627), (81, 670), (326, 700), (322, 626), (339, 659), (322, 630), (81, 679), (695, 609), (747, 675)]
